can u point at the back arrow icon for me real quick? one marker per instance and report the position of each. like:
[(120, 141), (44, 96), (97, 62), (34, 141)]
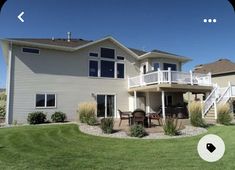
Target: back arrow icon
[(20, 16)]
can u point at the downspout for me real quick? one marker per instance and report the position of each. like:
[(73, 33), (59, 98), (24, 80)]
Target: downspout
[(7, 117)]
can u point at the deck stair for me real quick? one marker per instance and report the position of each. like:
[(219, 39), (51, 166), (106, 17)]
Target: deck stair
[(217, 96)]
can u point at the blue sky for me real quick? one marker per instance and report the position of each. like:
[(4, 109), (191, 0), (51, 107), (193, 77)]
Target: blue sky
[(171, 25)]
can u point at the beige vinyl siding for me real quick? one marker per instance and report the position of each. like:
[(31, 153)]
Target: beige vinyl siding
[(222, 81), (66, 75)]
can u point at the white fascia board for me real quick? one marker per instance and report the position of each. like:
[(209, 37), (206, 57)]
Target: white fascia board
[(113, 40), (159, 55), (18, 42)]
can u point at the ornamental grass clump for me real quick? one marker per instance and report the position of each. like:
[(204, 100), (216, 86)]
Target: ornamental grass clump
[(195, 111), (86, 112), (224, 114), (171, 127)]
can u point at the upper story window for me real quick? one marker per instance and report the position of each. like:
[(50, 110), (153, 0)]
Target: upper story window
[(107, 68), (120, 58), (107, 65), (120, 70), (30, 50), (156, 66), (107, 53), (93, 54), (144, 69), (45, 101), (93, 68), (169, 65)]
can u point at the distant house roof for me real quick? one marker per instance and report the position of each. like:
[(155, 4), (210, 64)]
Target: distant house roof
[(80, 43), (222, 66)]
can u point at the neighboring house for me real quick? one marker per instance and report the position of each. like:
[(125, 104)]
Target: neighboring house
[(57, 74), (222, 71)]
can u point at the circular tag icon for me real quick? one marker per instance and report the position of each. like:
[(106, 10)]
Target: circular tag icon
[(211, 148)]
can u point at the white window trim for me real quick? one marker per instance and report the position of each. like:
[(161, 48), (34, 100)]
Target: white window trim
[(115, 53), (45, 104), (39, 51), (93, 56), (115, 104), (99, 59), (154, 63), (95, 59), (124, 70), (119, 59), (170, 63)]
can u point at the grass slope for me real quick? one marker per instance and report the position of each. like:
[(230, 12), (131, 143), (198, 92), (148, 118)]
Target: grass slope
[(65, 147)]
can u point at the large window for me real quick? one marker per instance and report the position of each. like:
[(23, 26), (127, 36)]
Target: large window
[(168, 65), (93, 68), (30, 50), (120, 70), (105, 105), (107, 64), (45, 100), (107, 68), (156, 66), (107, 53)]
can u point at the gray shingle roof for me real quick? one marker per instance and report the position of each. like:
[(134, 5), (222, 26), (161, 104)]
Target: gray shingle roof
[(76, 43), (221, 66)]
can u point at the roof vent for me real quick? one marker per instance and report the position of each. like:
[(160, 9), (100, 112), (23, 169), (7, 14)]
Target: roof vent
[(69, 36)]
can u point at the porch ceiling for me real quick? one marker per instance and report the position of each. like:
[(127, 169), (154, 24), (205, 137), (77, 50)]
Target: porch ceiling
[(172, 88)]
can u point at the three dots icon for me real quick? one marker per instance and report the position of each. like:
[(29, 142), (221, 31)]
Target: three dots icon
[(209, 20)]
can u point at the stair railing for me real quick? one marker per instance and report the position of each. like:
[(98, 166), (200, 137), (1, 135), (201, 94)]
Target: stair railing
[(225, 96), (210, 100)]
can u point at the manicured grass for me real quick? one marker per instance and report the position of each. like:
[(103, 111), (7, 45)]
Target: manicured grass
[(65, 147)]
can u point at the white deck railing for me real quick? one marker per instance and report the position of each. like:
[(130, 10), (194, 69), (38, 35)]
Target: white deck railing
[(218, 96), (168, 76)]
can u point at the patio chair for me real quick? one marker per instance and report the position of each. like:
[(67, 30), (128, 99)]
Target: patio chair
[(155, 116), (124, 116), (139, 116)]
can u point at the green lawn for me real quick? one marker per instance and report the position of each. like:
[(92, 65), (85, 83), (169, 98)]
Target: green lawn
[(65, 147)]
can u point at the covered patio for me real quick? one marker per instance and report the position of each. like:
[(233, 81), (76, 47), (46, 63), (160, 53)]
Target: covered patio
[(165, 97)]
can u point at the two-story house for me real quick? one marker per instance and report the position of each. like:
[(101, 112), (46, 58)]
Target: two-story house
[(57, 74)]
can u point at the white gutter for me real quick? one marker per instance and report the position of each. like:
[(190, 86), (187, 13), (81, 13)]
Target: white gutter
[(8, 87), (20, 42)]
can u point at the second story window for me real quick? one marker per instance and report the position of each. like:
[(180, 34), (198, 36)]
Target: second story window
[(30, 50), (144, 69), (93, 68), (107, 53), (106, 65), (107, 69), (156, 66), (169, 65), (120, 70)]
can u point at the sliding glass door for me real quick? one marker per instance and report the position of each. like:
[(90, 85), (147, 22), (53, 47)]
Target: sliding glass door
[(105, 105)]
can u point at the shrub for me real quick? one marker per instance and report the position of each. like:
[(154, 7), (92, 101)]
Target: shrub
[(36, 118), (137, 130), (58, 117), (107, 125), (170, 127), (224, 114), (86, 113), (195, 111), (2, 110), (3, 96)]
